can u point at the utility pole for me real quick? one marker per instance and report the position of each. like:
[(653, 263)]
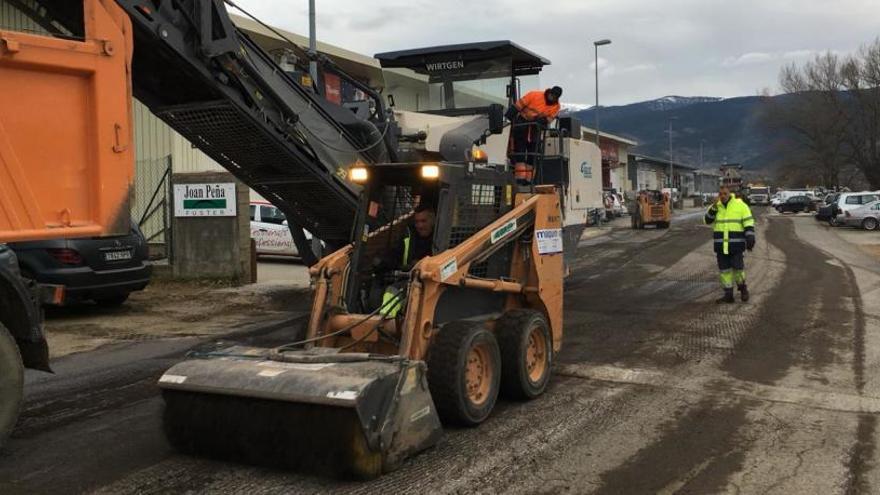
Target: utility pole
[(671, 163), (596, 45), (701, 152), (313, 45)]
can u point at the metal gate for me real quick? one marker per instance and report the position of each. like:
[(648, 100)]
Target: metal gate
[(151, 205)]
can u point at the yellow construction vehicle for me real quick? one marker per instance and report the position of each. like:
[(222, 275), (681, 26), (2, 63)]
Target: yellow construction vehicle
[(482, 315), (651, 208)]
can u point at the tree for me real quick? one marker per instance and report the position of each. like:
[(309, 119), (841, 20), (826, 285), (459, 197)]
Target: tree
[(812, 120), (830, 115), (861, 75)]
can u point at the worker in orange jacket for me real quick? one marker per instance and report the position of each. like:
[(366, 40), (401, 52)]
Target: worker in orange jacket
[(536, 108)]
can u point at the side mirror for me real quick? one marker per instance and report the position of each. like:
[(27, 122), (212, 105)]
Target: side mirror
[(496, 118), (284, 223)]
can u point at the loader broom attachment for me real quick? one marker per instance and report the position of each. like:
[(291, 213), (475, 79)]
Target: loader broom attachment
[(340, 414)]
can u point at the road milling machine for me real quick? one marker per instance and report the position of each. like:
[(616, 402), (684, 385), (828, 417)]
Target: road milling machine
[(364, 387)]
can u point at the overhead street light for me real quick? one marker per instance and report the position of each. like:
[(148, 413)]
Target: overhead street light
[(596, 45)]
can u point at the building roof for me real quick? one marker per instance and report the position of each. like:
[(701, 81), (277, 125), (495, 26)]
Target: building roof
[(356, 64), (525, 62), (588, 131), (661, 161)]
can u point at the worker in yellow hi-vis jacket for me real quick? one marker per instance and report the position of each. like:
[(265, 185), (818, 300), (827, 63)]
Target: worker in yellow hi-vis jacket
[(417, 243), (734, 233)]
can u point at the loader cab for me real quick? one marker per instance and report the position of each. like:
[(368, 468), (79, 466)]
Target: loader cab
[(466, 79), (465, 198)]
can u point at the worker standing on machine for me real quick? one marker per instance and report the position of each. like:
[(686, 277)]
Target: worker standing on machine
[(734, 233), (417, 243), (536, 108)]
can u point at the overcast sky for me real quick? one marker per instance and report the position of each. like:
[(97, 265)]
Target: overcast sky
[(660, 47)]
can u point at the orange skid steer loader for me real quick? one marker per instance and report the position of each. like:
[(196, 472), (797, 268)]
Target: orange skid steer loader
[(651, 208), (362, 390)]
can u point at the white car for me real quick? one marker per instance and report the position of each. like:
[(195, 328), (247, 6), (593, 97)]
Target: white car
[(851, 200), (270, 231)]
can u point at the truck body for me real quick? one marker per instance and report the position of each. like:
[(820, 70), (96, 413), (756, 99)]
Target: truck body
[(759, 194), (66, 161)]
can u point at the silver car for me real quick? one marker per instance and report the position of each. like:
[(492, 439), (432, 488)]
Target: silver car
[(865, 217)]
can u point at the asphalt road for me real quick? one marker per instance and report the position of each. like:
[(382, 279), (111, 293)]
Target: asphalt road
[(657, 389)]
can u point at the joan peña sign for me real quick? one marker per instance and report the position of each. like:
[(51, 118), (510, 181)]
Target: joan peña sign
[(205, 200)]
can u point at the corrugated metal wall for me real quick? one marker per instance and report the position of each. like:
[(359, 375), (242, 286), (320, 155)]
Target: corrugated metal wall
[(13, 20)]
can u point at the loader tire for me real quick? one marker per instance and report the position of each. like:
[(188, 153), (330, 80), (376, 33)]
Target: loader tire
[(526, 353), (11, 383), (464, 373)]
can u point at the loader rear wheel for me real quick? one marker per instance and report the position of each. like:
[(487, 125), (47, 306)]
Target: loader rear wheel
[(526, 353), (464, 372), (11, 383)]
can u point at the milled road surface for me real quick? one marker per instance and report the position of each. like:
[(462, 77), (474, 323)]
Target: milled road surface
[(657, 390)]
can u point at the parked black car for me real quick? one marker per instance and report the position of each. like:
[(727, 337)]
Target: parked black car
[(796, 204), (103, 269)]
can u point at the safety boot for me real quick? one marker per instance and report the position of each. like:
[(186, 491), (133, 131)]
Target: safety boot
[(744, 292), (727, 298)]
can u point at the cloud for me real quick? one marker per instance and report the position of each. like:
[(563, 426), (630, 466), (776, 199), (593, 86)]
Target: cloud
[(795, 54), (638, 68), (684, 47), (748, 59)]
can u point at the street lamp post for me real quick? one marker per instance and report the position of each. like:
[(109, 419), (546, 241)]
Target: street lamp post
[(596, 45), (313, 45)]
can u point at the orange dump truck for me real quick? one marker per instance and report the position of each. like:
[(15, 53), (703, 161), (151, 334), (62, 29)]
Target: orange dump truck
[(66, 163)]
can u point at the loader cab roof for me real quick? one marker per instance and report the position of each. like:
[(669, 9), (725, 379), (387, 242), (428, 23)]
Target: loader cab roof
[(464, 79)]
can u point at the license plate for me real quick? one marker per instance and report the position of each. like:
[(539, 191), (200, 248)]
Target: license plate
[(117, 255)]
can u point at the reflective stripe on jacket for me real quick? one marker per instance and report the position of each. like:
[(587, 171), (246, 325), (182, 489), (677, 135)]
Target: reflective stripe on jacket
[(533, 106), (406, 242), (732, 224)]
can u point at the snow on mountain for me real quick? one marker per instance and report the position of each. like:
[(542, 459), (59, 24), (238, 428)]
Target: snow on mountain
[(673, 102)]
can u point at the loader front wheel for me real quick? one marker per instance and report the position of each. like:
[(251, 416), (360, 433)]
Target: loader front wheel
[(464, 372), (526, 353)]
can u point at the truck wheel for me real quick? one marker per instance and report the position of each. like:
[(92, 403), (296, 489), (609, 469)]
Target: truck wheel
[(464, 372), (526, 353), (11, 383)]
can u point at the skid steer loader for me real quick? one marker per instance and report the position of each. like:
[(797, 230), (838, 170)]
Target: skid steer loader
[(364, 390), (651, 208)]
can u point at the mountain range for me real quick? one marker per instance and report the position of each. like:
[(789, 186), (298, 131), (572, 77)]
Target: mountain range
[(729, 129)]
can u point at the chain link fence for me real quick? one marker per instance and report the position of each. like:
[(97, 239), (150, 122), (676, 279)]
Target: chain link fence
[(151, 204)]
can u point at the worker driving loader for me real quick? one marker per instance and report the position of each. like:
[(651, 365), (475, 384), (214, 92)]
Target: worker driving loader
[(416, 244)]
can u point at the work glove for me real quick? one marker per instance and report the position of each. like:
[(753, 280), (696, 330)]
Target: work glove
[(511, 113), (750, 242)]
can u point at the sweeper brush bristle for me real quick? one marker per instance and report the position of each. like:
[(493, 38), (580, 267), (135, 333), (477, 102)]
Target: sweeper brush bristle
[(308, 438)]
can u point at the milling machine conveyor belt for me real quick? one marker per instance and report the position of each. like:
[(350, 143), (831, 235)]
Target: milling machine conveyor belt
[(216, 87)]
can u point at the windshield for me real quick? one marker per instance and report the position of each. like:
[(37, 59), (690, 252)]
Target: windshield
[(447, 95)]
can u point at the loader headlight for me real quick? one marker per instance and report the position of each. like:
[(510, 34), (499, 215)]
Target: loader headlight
[(430, 171), (479, 156), (358, 174)]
